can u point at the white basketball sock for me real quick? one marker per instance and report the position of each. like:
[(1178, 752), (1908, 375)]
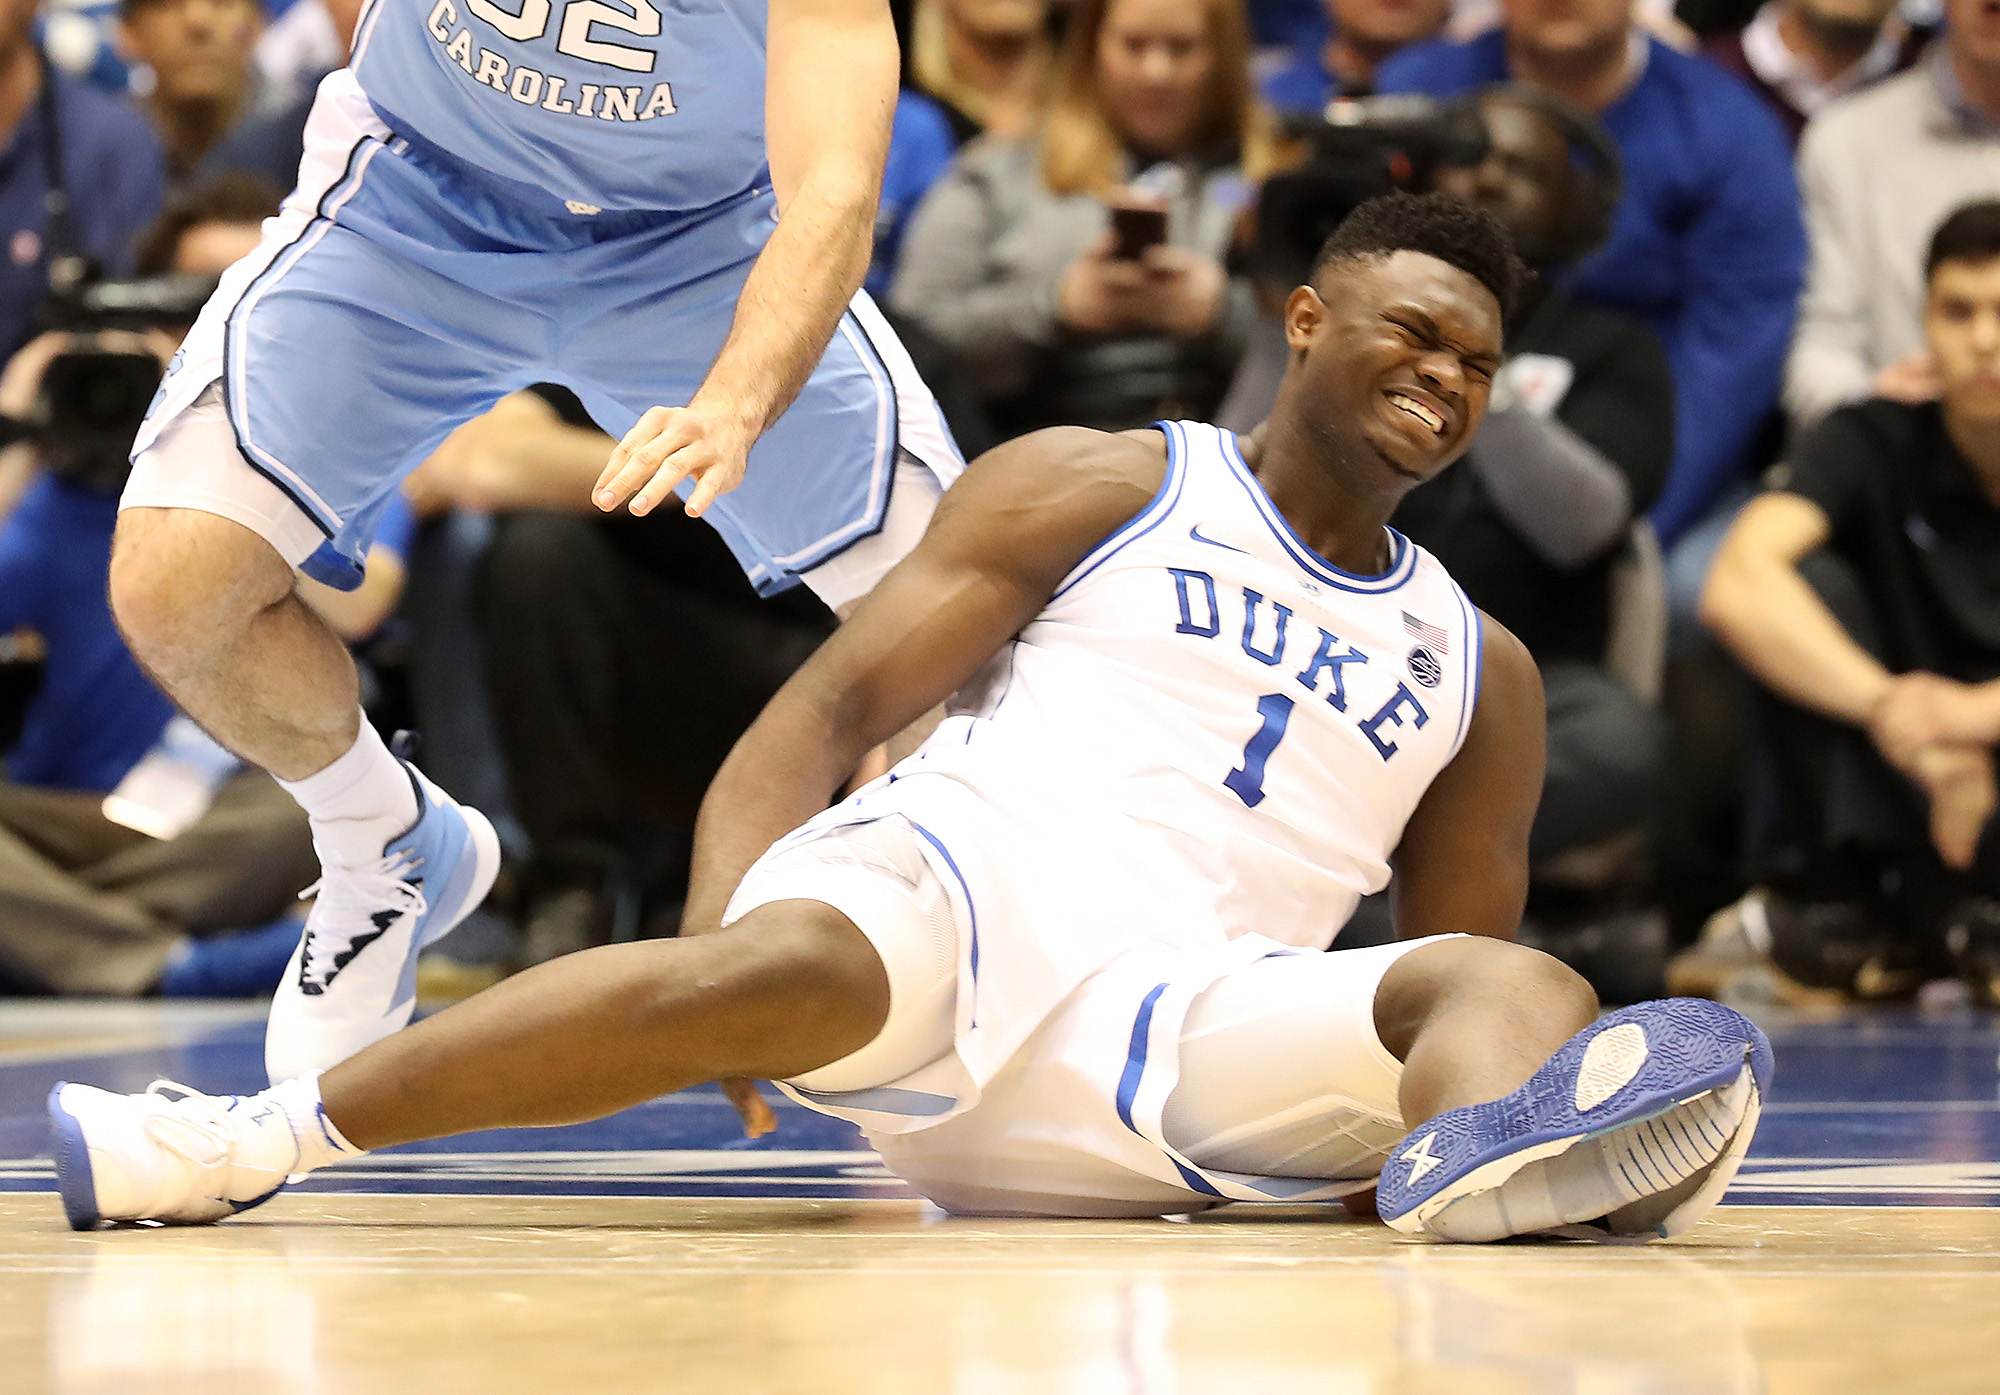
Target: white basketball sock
[(358, 804), (317, 1140)]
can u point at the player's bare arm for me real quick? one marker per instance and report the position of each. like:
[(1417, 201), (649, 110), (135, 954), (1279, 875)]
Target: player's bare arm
[(830, 93), (1462, 866), (1004, 538)]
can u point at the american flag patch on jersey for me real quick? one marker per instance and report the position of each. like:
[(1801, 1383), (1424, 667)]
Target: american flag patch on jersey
[(1429, 634)]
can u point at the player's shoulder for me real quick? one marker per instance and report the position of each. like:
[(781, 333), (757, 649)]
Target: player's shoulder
[(1505, 665), (1046, 498), (1099, 470)]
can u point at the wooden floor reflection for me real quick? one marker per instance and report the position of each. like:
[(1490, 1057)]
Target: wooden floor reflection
[(336, 1294)]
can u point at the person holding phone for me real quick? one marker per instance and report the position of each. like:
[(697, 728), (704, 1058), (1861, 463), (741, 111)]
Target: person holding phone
[(1078, 273)]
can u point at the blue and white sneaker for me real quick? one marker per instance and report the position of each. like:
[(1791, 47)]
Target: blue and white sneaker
[(1635, 1127), (353, 979), (171, 1155)]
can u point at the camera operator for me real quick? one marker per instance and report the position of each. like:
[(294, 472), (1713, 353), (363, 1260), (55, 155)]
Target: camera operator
[(58, 138), (147, 901)]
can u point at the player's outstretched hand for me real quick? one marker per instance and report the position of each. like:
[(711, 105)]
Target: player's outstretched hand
[(668, 445), (758, 1116)]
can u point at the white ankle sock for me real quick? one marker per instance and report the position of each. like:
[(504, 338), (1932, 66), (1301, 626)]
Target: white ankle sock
[(319, 1142), (358, 804)]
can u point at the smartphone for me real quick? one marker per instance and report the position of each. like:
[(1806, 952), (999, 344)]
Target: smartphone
[(1136, 229)]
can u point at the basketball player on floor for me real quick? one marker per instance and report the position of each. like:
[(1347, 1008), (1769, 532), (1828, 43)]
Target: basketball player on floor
[(1067, 958), (497, 193)]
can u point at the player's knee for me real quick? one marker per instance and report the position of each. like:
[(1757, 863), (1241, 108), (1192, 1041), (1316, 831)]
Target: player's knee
[(182, 581), (812, 987), (1475, 971)]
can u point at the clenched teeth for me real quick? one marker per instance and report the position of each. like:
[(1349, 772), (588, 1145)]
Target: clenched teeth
[(1419, 411)]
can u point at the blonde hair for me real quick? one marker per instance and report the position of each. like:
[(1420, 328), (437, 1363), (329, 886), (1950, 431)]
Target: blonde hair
[(930, 64), (1081, 150)]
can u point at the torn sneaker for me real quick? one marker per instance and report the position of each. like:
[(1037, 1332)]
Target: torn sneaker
[(353, 979), (1635, 1127), (171, 1155)]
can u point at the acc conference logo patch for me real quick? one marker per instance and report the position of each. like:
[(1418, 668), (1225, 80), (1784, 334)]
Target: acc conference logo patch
[(1425, 668)]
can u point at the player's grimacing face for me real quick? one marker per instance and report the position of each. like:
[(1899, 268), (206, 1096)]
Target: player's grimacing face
[(1399, 358)]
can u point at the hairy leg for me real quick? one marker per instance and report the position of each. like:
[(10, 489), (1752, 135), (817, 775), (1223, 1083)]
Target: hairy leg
[(210, 610), (1471, 1019), (789, 988)]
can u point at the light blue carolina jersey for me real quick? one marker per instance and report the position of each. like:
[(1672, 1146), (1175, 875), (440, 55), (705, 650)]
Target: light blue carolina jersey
[(636, 105)]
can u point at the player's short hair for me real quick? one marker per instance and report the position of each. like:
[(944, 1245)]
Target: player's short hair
[(1970, 234), (1454, 232)]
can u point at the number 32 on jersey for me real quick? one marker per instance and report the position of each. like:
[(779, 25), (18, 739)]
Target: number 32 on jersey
[(578, 35)]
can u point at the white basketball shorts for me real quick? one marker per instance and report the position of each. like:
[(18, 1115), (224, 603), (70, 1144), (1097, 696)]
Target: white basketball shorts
[(1172, 1080)]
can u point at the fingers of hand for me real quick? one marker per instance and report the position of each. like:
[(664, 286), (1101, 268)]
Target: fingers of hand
[(757, 1114), (714, 481), (623, 472)]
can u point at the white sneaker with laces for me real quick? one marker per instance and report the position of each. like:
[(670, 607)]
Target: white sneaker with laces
[(171, 1155), (353, 979)]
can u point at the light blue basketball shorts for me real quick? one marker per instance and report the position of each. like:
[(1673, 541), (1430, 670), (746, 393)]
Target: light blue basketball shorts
[(396, 297)]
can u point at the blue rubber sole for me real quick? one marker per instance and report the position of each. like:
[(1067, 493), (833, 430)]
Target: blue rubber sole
[(1692, 1046), (73, 1175)]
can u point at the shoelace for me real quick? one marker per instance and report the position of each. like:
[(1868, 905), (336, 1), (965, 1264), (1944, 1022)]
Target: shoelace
[(350, 900), (191, 1125)]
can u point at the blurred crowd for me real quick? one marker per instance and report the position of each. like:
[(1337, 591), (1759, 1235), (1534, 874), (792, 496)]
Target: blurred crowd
[(1738, 490)]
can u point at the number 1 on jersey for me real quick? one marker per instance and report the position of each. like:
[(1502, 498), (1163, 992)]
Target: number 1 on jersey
[(1247, 784)]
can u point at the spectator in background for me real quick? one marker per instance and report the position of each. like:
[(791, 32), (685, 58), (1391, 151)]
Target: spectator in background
[(1802, 55), (1863, 591), (1364, 33), (1575, 445), (305, 43), (1878, 171), (89, 905), (1010, 261), (111, 180), (204, 94), (986, 63), (977, 66), (1707, 248)]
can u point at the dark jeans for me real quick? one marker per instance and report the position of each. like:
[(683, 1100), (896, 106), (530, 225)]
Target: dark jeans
[(1854, 822), (1606, 762), (617, 691)]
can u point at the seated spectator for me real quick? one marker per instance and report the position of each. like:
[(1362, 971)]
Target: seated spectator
[(1878, 172), (302, 45), (986, 63), (1362, 36), (1863, 592), (111, 177), (1802, 55), (1575, 445), (1707, 248), (977, 66), (89, 903), (1011, 262), (202, 92)]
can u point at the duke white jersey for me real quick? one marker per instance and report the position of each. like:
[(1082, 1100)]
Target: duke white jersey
[(1205, 686)]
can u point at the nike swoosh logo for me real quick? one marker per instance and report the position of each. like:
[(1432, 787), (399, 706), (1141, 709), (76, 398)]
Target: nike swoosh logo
[(1195, 533)]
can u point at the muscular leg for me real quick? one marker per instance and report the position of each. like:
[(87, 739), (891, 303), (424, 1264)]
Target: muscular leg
[(1471, 1019), (208, 607), (789, 988)]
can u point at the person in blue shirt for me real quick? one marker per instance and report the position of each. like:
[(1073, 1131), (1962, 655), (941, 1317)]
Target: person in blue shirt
[(88, 903), (1708, 245), (1344, 59), (110, 173)]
